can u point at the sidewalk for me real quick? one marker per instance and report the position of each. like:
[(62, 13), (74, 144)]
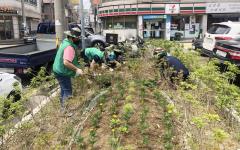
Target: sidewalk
[(11, 42), (5, 46)]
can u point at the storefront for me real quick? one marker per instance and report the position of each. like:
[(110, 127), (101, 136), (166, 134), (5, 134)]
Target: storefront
[(188, 26), (154, 26), (6, 22), (154, 20), (124, 26)]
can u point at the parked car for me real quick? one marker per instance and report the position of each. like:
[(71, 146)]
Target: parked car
[(92, 40), (7, 85), (74, 24), (49, 27), (219, 31), (30, 39), (228, 51)]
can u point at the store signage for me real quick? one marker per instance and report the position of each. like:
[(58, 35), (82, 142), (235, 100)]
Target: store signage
[(172, 9), (154, 17), (223, 8), (8, 10)]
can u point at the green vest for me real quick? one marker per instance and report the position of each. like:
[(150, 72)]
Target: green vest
[(58, 67), (91, 52)]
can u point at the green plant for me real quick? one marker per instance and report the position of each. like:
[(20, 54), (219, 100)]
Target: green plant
[(104, 81), (92, 137), (127, 111), (219, 135), (143, 125), (169, 110), (114, 142), (113, 108), (199, 122), (80, 142), (115, 122), (42, 77), (123, 129), (96, 119)]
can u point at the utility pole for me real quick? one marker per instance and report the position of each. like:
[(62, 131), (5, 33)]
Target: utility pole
[(24, 21), (59, 20), (81, 14)]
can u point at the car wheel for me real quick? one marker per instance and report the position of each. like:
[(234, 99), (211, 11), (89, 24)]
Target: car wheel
[(98, 44)]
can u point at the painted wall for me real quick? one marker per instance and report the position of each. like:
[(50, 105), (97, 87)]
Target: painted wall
[(123, 34)]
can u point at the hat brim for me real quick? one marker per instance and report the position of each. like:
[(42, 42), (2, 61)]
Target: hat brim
[(68, 33), (117, 50)]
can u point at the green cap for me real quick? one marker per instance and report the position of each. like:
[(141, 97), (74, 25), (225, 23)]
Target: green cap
[(162, 54)]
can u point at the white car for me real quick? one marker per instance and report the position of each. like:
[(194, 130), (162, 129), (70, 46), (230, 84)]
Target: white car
[(219, 31), (7, 85)]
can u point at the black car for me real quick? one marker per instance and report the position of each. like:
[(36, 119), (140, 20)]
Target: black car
[(228, 51), (49, 27), (91, 40)]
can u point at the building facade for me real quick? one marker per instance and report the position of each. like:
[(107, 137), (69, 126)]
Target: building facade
[(48, 11), (11, 21), (164, 19)]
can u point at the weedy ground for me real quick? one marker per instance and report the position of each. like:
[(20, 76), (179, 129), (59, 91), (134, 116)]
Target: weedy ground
[(135, 112)]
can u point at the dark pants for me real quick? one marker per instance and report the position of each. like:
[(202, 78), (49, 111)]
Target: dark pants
[(85, 59), (66, 88)]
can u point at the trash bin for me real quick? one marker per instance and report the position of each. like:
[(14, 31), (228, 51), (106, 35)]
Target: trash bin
[(112, 38)]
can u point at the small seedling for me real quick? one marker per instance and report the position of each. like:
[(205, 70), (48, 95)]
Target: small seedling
[(96, 119), (92, 137), (127, 111)]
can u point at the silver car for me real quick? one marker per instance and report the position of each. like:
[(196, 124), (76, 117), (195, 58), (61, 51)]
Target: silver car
[(8, 82), (94, 40)]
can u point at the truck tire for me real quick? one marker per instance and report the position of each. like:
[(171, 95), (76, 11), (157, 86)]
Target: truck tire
[(16, 96)]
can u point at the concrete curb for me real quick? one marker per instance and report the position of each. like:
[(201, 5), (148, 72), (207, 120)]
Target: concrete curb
[(28, 117), (84, 116), (170, 101)]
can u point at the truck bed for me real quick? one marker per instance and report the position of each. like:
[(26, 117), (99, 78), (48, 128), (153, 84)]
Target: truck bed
[(27, 55)]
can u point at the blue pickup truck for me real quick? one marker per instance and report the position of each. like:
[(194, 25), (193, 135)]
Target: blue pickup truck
[(28, 55)]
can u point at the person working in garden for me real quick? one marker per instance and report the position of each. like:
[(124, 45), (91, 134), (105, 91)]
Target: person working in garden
[(66, 64), (178, 68), (115, 58), (93, 56)]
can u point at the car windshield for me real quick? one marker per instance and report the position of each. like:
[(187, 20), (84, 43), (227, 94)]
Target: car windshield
[(238, 39), (219, 29), (87, 33)]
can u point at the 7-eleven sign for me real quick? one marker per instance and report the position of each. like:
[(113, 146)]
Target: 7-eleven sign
[(172, 9), (96, 2)]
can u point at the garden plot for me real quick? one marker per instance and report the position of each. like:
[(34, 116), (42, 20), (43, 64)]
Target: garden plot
[(140, 110)]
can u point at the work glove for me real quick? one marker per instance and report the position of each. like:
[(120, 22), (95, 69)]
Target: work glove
[(79, 72), (103, 66)]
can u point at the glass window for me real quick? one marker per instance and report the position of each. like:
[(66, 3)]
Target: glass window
[(130, 22), (219, 29), (118, 22), (6, 27), (109, 23)]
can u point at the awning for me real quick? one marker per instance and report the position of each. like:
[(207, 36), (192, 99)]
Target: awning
[(225, 15)]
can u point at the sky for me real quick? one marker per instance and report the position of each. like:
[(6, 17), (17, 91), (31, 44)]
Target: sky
[(86, 4)]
